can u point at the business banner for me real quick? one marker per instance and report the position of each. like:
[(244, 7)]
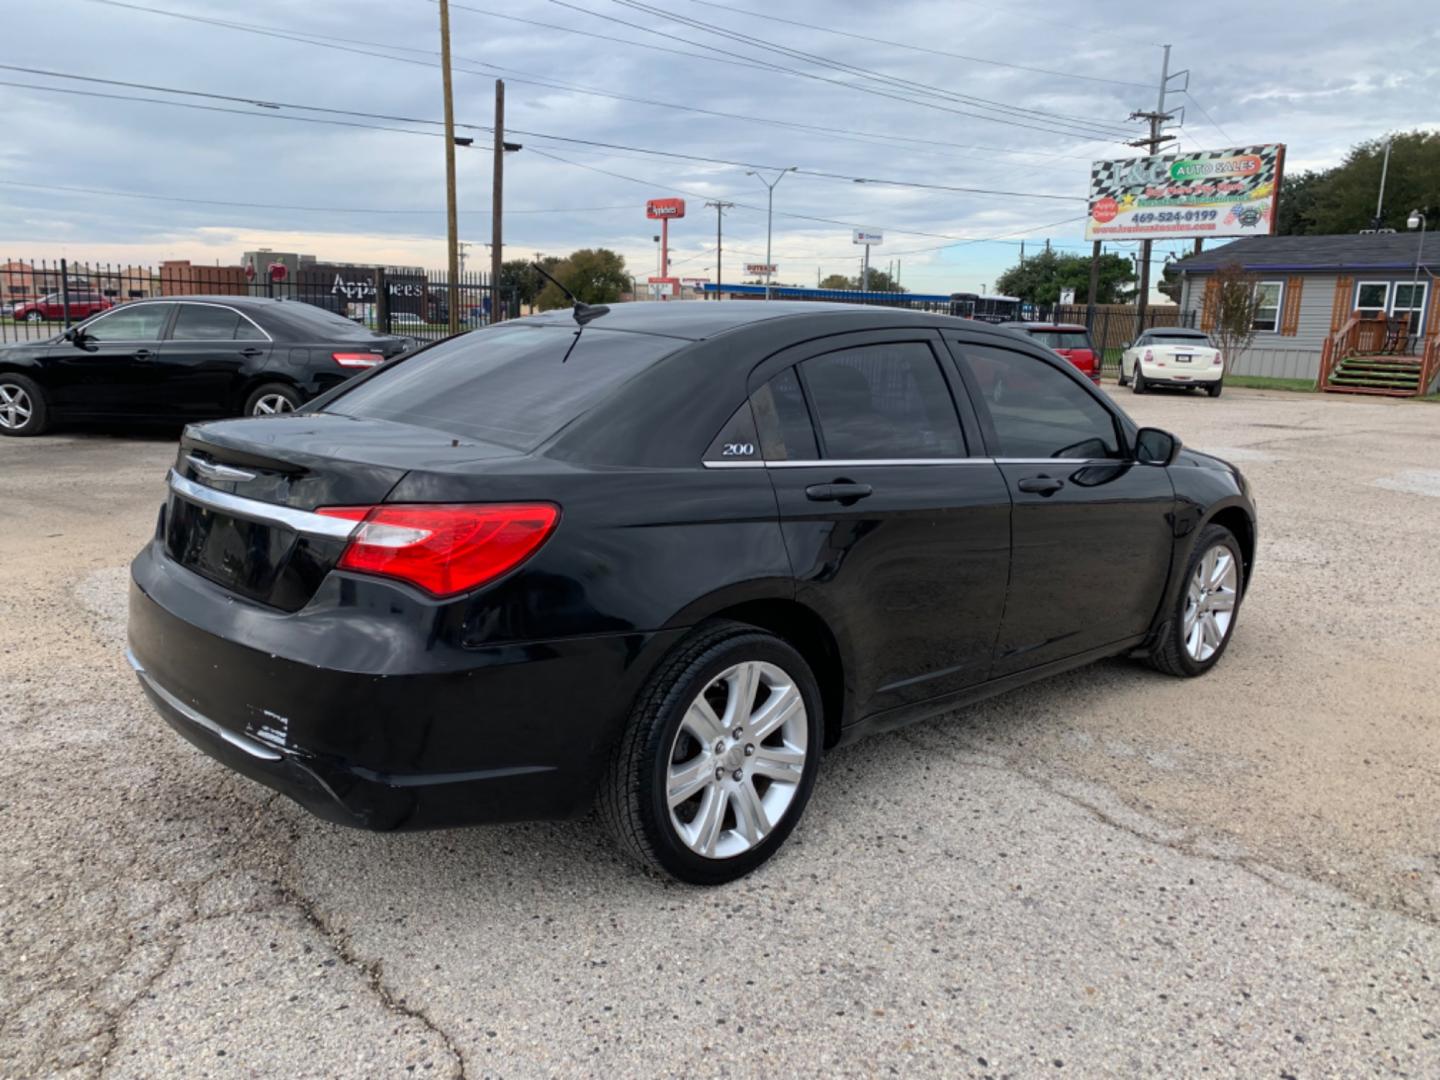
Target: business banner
[(1181, 196)]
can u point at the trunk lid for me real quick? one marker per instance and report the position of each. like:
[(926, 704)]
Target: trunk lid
[(243, 492)]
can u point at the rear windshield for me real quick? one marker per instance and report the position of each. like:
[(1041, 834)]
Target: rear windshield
[(312, 319), (504, 385), (1197, 341), (1061, 339)]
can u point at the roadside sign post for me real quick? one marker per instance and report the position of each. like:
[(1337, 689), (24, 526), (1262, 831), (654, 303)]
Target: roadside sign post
[(865, 237), (662, 210)]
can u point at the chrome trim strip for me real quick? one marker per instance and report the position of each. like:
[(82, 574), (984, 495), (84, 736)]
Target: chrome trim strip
[(240, 742), (213, 471), (855, 463), (302, 521)]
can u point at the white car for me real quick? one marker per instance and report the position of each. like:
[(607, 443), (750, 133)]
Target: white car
[(1172, 356)]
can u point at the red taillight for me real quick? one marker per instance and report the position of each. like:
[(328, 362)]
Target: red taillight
[(1219, 359), (357, 359), (444, 549)]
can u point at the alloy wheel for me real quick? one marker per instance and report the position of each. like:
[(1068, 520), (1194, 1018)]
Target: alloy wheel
[(272, 405), (1210, 602), (737, 760), (15, 406)]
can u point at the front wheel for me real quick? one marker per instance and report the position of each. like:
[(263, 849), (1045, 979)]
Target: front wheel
[(1137, 382), (1193, 641), (34, 316), (719, 757), (23, 408)]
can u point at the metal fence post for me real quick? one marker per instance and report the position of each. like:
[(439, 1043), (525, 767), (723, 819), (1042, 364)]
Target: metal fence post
[(65, 291), (382, 301)]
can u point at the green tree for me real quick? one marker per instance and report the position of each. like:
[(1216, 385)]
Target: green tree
[(1040, 278), (1342, 199), (836, 281), (880, 281), (594, 275), (1237, 302), (518, 276)]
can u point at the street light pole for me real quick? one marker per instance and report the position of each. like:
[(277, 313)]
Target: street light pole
[(1414, 221), (497, 202), (769, 218)]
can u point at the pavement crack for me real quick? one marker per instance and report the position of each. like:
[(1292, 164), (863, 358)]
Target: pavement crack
[(372, 972)]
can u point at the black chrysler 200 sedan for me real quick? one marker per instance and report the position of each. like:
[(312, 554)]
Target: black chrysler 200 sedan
[(185, 358), (666, 557)]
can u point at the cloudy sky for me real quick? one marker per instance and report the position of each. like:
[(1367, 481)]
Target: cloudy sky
[(943, 93)]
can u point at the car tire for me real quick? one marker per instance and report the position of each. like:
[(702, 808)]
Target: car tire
[(34, 316), (739, 794), (1186, 646), (1137, 381), (273, 399), (23, 408), (1214, 388), (1122, 380)]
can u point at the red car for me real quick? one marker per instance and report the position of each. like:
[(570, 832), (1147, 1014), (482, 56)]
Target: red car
[(1070, 340), (51, 308)]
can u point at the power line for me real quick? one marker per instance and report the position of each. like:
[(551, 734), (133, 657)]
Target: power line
[(868, 39), (307, 209), (1208, 119), (473, 127), (1054, 128), (348, 45), (867, 73)]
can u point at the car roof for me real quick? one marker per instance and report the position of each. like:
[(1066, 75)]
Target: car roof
[(697, 320)]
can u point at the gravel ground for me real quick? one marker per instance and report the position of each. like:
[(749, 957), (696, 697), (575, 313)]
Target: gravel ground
[(1113, 873)]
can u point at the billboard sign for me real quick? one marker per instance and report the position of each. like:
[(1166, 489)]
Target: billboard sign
[(1180, 196), (695, 280), (760, 269), (664, 286), (655, 209), (864, 236)]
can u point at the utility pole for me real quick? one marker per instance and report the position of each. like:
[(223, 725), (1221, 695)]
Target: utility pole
[(1380, 202), (720, 206), (462, 245), (451, 222), (1094, 286), (770, 216), (497, 203), (897, 275), (1154, 142)]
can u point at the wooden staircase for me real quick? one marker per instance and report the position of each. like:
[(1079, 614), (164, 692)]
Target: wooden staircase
[(1352, 362)]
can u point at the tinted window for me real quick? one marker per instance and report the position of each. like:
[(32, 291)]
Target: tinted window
[(506, 385), (1199, 341), (784, 420), (883, 401), (201, 322), (1039, 411), (142, 322), (1062, 339), (316, 321), (248, 331)]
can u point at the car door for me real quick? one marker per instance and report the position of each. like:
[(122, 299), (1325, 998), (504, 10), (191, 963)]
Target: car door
[(1091, 529), (204, 361), (897, 536), (110, 365)]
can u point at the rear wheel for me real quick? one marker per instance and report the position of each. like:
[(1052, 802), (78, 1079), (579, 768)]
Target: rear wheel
[(1214, 388), (719, 757), (23, 409), (1195, 638), (272, 399)]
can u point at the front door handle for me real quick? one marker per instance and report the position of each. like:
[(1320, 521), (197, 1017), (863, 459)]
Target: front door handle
[(143, 354), (1040, 485), (842, 491)]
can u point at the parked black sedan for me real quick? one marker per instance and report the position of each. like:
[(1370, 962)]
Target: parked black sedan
[(667, 555), (185, 358)]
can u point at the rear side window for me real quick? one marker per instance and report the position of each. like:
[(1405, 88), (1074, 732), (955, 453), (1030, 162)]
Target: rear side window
[(784, 420), (1062, 339), (505, 385), (201, 322), (883, 401), (1037, 410)]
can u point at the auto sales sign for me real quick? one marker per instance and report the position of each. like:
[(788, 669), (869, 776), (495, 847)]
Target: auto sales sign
[(1179, 196)]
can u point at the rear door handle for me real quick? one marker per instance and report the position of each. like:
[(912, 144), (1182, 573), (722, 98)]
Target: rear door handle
[(1040, 485), (143, 354), (842, 492), (251, 352)]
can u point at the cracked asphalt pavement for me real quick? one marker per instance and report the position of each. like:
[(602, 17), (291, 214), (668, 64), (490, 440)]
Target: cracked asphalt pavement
[(1110, 874)]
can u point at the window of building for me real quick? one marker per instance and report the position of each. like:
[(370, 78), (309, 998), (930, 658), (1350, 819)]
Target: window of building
[(1372, 298), (1267, 314), (1410, 298)]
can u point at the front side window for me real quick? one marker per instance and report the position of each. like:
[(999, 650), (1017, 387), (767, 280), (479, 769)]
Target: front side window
[(139, 322), (1372, 298), (1038, 411), (202, 322), (1267, 311), (882, 401)]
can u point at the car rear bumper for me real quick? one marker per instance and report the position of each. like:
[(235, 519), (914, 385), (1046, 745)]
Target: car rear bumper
[(465, 735), (1171, 377)]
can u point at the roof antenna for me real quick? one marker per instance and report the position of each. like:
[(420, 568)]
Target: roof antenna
[(582, 312)]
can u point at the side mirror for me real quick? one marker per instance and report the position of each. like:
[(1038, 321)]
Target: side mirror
[(1156, 447)]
